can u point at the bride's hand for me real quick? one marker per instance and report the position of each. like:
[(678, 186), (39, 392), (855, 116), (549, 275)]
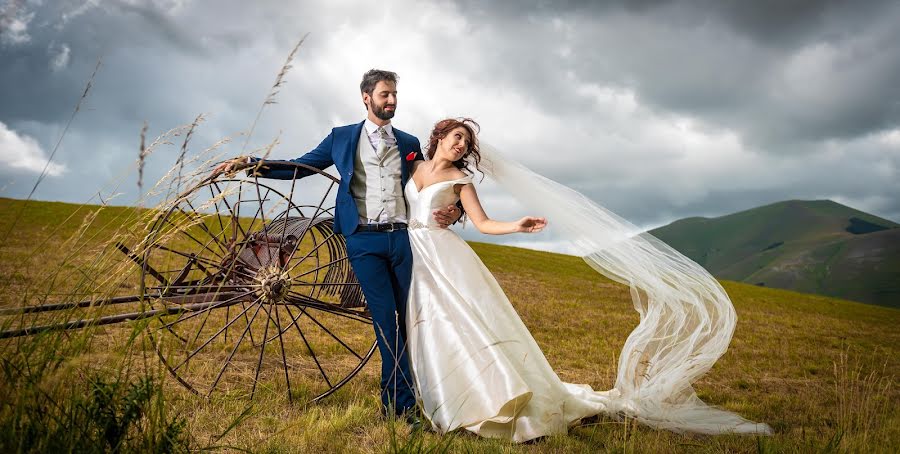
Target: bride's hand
[(530, 224)]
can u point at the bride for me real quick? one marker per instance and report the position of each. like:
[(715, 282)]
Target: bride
[(475, 364)]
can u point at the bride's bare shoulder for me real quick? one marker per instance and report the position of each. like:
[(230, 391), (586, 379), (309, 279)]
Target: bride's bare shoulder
[(455, 174)]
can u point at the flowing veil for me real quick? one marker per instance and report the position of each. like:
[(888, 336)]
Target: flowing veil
[(686, 318)]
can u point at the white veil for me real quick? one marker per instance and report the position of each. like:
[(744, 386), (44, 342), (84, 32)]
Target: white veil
[(686, 318)]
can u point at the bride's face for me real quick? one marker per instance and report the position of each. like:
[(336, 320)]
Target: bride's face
[(455, 144)]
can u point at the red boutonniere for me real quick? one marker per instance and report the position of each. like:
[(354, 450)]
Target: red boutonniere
[(411, 156)]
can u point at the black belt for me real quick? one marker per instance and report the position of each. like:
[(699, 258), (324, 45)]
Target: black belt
[(383, 227)]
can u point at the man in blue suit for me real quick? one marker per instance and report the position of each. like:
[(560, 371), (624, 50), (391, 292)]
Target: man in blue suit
[(374, 160)]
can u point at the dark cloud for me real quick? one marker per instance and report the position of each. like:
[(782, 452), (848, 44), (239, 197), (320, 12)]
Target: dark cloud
[(782, 73), (656, 109), (157, 67)]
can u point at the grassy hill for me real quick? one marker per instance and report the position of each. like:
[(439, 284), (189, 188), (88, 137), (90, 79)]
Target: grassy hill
[(821, 371), (816, 246)]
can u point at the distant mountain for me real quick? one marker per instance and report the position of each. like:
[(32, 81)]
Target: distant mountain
[(817, 246)]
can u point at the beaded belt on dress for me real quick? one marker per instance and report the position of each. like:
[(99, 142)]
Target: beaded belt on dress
[(415, 224)]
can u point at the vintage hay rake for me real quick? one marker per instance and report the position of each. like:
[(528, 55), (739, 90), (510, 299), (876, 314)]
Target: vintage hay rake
[(244, 286)]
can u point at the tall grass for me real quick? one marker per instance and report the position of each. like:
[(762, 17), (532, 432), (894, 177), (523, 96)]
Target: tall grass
[(50, 405), (97, 389), (863, 400)]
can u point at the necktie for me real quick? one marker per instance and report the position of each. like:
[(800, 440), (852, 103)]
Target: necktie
[(382, 147)]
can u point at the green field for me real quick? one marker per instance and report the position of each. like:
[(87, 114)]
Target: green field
[(821, 371)]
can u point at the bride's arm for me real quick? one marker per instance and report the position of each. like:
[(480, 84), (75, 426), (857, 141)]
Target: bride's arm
[(484, 224)]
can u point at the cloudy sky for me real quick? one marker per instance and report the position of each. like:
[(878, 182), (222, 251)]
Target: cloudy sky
[(657, 110)]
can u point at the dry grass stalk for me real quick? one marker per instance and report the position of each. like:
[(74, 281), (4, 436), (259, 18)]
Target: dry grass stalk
[(863, 398), (40, 178), (273, 91), (142, 155), (184, 146)]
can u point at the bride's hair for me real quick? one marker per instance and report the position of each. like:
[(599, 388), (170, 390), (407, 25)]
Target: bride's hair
[(443, 127)]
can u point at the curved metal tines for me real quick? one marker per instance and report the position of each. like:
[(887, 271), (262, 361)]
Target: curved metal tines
[(339, 271), (296, 225), (351, 295)]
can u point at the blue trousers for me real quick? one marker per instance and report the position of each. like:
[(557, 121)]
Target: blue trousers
[(382, 262)]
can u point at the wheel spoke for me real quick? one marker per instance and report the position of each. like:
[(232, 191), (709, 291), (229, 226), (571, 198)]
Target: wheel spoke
[(350, 375), (309, 253), (234, 216), (290, 199), (202, 224), (303, 312), (312, 303), (287, 378), (216, 203), (250, 227), (199, 330), (191, 355), (247, 319), (259, 211), (186, 255), (214, 306), (234, 350), (313, 353), (227, 316), (205, 288), (309, 226), (262, 348), (326, 284), (319, 267), (185, 232)]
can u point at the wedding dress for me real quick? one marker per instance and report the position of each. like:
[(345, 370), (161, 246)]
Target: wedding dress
[(476, 365)]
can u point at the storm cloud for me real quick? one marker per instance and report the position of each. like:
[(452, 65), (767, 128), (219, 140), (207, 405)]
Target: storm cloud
[(656, 109)]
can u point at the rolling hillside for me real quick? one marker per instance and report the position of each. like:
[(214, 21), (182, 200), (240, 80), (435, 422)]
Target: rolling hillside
[(821, 371), (816, 246)]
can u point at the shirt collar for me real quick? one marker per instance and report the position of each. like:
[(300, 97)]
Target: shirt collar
[(371, 127)]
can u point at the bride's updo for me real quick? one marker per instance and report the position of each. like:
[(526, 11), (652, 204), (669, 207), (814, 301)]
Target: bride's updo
[(443, 127)]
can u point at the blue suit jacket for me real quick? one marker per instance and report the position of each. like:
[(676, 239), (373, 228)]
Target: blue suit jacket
[(339, 149)]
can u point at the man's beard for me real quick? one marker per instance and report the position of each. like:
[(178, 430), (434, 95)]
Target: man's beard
[(381, 113)]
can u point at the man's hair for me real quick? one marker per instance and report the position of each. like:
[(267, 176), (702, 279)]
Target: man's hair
[(372, 77)]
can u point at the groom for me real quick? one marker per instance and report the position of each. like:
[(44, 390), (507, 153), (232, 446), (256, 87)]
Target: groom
[(374, 160)]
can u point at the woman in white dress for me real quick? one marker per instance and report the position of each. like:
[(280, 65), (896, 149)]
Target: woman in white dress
[(475, 364)]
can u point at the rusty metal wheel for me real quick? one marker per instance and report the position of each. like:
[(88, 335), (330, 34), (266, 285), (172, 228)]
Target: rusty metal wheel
[(254, 290)]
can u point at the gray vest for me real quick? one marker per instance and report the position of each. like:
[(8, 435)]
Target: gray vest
[(375, 184)]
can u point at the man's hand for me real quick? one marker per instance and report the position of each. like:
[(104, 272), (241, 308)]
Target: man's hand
[(447, 216), (227, 167)]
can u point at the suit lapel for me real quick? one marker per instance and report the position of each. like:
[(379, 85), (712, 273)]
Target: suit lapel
[(401, 146), (354, 142)]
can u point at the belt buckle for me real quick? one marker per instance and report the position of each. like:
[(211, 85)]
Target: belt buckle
[(390, 227)]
